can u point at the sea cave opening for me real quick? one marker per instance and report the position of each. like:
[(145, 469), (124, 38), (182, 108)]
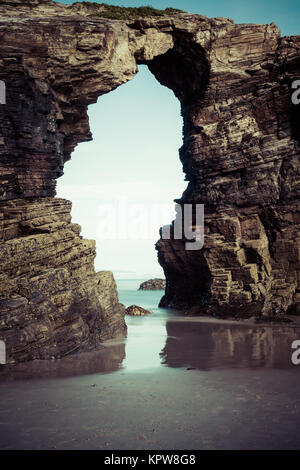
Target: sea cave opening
[(123, 183)]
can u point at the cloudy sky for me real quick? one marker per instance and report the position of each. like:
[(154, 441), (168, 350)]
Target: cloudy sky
[(122, 184)]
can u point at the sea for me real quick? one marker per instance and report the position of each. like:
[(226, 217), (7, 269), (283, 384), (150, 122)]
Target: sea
[(146, 335), (169, 338)]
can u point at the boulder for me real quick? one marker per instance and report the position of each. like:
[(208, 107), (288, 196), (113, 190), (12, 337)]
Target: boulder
[(153, 284), (136, 311)]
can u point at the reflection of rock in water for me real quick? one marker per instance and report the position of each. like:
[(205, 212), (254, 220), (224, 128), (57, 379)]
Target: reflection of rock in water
[(209, 345), (107, 359)]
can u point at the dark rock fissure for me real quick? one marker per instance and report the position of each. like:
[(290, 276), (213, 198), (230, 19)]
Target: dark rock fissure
[(240, 155)]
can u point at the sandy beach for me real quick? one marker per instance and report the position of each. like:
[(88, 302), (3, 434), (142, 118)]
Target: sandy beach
[(175, 383)]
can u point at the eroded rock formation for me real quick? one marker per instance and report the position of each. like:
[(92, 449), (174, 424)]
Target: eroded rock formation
[(136, 311), (240, 155), (241, 158), (153, 284)]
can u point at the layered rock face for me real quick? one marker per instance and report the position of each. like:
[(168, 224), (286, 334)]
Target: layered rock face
[(52, 302), (240, 155)]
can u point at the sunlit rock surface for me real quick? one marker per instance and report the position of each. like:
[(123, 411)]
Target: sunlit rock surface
[(240, 155)]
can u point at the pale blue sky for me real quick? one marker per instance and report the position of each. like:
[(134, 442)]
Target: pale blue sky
[(137, 130)]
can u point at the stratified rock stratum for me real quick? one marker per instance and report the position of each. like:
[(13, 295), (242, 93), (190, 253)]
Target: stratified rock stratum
[(240, 155)]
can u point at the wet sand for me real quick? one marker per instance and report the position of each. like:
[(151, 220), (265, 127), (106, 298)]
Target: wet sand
[(157, 409), (175, 383)]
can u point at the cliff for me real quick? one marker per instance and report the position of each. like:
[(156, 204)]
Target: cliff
[(240, 155)]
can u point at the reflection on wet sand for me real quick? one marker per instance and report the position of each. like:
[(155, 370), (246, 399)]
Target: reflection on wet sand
[(107, 359), (202, 344), (208, 346)]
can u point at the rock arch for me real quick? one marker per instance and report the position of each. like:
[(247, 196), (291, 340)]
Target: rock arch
[(240, 155)]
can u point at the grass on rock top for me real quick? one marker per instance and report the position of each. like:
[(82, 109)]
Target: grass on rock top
[(114, 12)]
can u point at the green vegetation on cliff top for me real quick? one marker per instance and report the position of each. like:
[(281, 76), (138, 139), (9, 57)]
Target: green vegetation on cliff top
[(114, 12)]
